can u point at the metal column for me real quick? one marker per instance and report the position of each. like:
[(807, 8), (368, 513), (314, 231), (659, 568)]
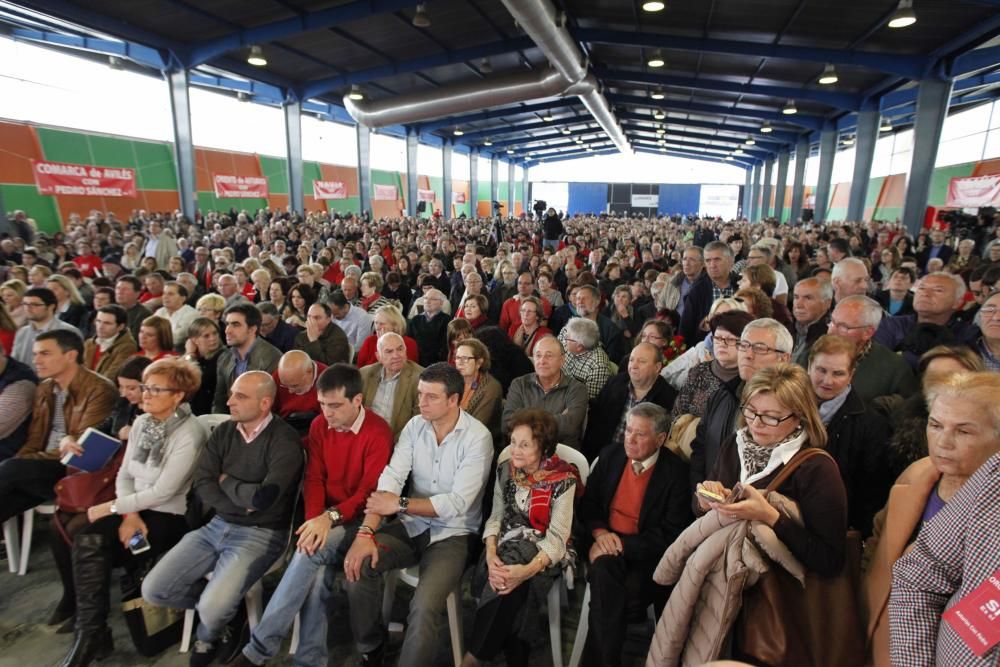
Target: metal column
[(755, 195), (765, 204), (180, 112), (412, 144), (511, 195), (364, 168), (827, 152), (293, 153), (798, 180), (446, 207), (494, 181), (779, 192), (932, 109), (864, 155), (525, 195), (747, 193), (474, 183)]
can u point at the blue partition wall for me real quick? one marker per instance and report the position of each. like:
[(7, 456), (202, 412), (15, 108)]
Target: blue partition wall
[(679, 198), (588, 198)]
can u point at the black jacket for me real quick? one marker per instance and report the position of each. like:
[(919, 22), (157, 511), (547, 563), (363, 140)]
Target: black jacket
[(718, 424), (883, 299), (665, 510), (607, 407), (858, 439), (553, 228), (697, 303), (431, 337), (283, 336)]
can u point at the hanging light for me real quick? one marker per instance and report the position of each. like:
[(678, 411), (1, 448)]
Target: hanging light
[(548, 118), (886, 125), (256, 57), (660, 131), (828, 76), (662, 142), (114, 62), (510, 151), (458, 132), (659, 115), (579, 141), (729, 157), (738, 151), (242, 97), (750, 141), (320, 117), (847, 141), (904, 15), (767, 129), (789, 109), (356, 93), (566, 130), (589, 149), (488, 142), (485, 66), (420, 19), (657, 94), (653, 6), (656, 60)]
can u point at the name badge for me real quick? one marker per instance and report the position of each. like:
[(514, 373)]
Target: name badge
[(976, 617)]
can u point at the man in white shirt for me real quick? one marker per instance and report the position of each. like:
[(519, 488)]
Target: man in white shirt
[(176, 310)]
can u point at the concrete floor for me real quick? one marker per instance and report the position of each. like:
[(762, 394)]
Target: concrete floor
[(26, 602)]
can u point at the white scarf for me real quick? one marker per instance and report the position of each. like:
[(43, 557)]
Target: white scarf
[(781, 453)]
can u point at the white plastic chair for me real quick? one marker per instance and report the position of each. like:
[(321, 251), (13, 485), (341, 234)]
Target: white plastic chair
[(210, 422), (557, 593), (411, 577), (19, 546)]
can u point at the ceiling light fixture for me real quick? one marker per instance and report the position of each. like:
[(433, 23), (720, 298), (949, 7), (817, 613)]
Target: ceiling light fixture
[(458, 132), (729, 157), (256, 57), (485, 66), (242, 97), (566, 130), (847, 141), (356, 93), (656, 60), (767, 129), (579, 141), (657, 94), (653, 6), (420, 19), (750, 141), (510, 151), (114, 62), (789, 109), (662, 142), (886, 126), (738, 151), (659, 115), (589, 149), (904, 15), (547, 118), (828, 76), (660, 131), (488, 142)]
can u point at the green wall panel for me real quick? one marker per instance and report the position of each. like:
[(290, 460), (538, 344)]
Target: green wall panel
[(874, 189), (344, 206), (41, 208), (275, 170), (938, 193), (156, 169), (502, 197), (207, 201), (310, 172), (111, 151), (484, 189), (60, 146)]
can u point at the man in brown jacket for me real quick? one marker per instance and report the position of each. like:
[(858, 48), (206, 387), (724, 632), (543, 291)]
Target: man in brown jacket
[(69, 399), (113, 343), (390, 386)]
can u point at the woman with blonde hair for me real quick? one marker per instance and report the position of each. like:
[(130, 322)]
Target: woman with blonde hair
[(371, 292), (387, 318), (12, 291), (211, 306), (69, 304)]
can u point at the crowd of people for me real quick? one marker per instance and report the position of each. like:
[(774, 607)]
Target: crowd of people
[(342, 397)]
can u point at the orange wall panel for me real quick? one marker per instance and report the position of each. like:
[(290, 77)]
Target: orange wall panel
[(987, 168), (18, 146), (346, 175)]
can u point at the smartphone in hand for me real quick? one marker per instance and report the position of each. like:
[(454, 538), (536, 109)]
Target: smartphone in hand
[(138, 543)]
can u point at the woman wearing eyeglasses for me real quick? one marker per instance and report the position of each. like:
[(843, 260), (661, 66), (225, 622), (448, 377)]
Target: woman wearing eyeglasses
[(203, 345), (149, 506), (989, 324), (483, 395)]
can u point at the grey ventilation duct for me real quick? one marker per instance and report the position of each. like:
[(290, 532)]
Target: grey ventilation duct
[(567, 76)]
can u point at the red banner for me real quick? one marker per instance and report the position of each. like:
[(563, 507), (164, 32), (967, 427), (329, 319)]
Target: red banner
[(425, 195), (329, 190), (240, 187), (58, 178), (385, 192), (974, 192), (458, 197)]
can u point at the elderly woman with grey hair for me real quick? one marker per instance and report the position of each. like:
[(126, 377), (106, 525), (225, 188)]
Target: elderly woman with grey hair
[(585, 358)]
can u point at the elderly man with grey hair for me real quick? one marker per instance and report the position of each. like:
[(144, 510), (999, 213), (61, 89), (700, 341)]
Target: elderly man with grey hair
[(585, 358), (764, 343), (850, 277), (430, 328), (389, 386), (880, 371)]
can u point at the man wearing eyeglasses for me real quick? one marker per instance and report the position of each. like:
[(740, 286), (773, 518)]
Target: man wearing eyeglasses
[(40, 310), (880, 371), (68, 400), (764, 343)]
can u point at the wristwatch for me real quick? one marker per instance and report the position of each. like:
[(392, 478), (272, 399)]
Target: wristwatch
[(113, 508), (334, 515), (404, 503)]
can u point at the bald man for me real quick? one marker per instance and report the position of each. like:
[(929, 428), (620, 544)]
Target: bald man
[(249, 473), (296, 401)]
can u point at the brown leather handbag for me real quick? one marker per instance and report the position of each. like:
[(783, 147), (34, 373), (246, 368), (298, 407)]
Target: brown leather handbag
[(783, 624), (78, 491)]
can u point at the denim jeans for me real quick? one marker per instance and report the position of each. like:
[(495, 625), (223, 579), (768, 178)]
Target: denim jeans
[(306, 586), (236, 556)]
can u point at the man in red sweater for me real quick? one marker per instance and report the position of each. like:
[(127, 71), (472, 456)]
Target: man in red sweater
[(348, 448), (510, 313), (297, 376)]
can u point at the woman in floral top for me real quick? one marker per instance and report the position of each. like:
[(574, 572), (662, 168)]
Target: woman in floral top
[(526, 537)]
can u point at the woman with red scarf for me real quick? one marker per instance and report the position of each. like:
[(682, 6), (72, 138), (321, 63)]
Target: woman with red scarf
[(526, 538)]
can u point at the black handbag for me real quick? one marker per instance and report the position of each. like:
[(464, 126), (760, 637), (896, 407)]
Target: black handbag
[(152, 628)]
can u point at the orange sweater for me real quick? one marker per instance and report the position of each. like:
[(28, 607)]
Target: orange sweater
[(627, 503)]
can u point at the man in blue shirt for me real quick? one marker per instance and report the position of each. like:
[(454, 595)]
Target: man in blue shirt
[(445, 453)]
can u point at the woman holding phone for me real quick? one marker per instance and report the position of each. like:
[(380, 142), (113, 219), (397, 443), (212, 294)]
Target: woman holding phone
[(146, 518)]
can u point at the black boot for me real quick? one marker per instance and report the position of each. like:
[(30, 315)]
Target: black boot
[(62, 555), (92, 575)]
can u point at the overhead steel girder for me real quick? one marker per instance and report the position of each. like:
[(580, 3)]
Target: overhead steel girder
[(775, 135), (901, 98), (261, 92), (747, 150), (693, 156), (521, 141), (501, 130), (560, 148), (907, 66), (575, 156), (545, 147), (143, 55), (904, 114), (803, 120), (452, 121), (320, 86), (202, 52), (974, 60), (735, 141), (845, 101), (688, 145)]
